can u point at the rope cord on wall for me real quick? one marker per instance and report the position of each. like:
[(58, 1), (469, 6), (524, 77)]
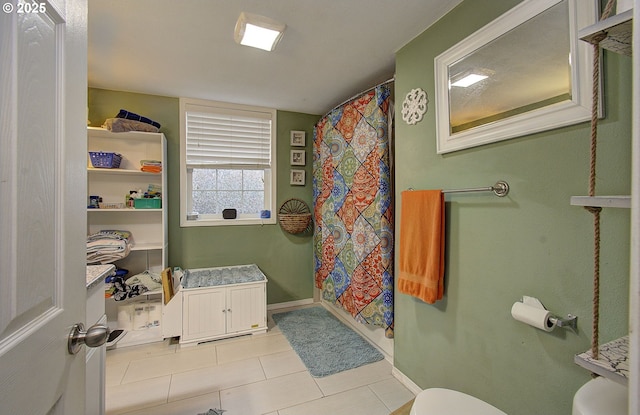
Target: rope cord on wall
[(595, 211)]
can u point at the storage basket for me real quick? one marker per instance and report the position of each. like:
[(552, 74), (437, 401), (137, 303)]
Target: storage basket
[(294, 216), (147, 203), (102, 160)]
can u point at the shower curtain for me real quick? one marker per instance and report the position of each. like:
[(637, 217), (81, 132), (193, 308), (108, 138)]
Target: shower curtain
[(353, 208)]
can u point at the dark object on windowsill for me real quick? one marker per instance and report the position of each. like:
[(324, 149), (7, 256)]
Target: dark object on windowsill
[(229, 213)]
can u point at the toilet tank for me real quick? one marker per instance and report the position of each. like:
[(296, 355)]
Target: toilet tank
[(601, 396)]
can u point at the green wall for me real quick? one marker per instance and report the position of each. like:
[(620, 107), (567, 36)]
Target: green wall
[(286, 260), (531, 242)]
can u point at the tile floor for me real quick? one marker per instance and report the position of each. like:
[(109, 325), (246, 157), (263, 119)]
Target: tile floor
[(249, 375)]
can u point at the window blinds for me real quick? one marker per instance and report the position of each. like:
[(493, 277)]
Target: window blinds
[(227, 138)]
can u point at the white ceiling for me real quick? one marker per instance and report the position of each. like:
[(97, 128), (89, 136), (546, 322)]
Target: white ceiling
[(331, 49)]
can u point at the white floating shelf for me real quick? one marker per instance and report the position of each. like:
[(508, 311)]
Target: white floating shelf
[(602, 201), (612, 362), (618, 29)]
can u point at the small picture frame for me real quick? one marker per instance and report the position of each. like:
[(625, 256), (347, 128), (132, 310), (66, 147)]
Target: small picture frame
[(298, 158), (297, 138), (297, 177)]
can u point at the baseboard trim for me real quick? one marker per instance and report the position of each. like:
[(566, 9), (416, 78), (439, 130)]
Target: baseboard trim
[(404, 379), (289, 304)]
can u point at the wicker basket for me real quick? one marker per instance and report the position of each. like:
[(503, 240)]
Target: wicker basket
[(102, 160), (294, 216)]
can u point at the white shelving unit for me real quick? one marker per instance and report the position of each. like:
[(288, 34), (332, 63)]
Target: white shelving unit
[(147, 226), (620, 36)]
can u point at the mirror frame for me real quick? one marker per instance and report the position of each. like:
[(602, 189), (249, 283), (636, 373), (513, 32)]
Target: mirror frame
[(581, 14)]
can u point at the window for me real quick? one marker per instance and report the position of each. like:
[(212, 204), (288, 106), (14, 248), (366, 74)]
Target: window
[(227, 156)]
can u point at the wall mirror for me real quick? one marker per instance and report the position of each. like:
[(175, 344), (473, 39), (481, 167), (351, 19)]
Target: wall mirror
[(525, 72)]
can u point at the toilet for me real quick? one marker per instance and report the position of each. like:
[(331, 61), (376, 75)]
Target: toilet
[(599, 396), (437, 401)]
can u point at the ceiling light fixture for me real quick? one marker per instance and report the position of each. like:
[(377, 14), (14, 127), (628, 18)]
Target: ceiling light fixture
[(469, 80), (258, 31)]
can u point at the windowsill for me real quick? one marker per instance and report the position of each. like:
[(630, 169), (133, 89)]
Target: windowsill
[(227, 222)]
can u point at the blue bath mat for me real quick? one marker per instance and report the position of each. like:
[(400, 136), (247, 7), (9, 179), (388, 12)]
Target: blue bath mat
[(325, 344)]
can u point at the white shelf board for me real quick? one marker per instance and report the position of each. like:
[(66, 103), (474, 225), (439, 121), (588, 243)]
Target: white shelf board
[(138, 135), (93, 170), (602, 201), (617, 28), (612, 362), (146, 246)]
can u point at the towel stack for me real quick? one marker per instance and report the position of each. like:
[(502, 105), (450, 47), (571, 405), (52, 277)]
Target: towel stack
[(151, 166), (108, 246)]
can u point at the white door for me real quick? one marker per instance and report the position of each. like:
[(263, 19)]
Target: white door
[(43, 90)]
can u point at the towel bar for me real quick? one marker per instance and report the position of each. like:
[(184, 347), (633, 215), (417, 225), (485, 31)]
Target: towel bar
[(500, 189)]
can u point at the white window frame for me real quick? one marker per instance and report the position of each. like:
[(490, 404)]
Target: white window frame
[(185, 177)]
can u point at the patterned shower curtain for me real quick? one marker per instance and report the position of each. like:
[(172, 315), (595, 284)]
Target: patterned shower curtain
[(353, 208)]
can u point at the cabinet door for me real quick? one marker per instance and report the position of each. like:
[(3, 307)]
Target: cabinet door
[(204, 314), (246, 308)]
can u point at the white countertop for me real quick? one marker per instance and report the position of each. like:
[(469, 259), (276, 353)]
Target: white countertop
[(97, 273)]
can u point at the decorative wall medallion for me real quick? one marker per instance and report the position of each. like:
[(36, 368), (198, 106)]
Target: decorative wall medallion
[(414, 106)]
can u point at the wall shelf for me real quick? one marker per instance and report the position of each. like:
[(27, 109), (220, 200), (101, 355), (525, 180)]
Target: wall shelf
[(615, 360), (93, 170), (618, 29), (612, 362), (602, 201)]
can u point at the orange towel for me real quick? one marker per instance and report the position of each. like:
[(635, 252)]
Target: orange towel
[(421, 254)]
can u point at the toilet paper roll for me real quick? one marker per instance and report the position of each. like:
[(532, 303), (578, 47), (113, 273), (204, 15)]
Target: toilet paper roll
[(140, 316), (125, 317), (155, 314), (533, 315)]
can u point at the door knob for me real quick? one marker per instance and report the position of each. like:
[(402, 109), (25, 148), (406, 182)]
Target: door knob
[(95, 336)]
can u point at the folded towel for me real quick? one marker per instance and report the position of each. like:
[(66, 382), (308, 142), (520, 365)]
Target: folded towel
[(421, 254), (151, 166), (122, 125), (133, 116), (108, 246)]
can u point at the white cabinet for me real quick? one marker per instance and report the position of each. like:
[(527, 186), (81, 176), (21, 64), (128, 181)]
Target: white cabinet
[(148, 227), (230, 310), (95, 356), (227, 310)]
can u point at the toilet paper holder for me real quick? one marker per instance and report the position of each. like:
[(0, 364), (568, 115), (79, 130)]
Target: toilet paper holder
[(570, 322), (531, 311)]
